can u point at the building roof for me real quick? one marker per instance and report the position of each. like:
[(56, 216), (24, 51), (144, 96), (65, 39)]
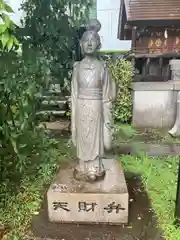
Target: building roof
[(152, 10)]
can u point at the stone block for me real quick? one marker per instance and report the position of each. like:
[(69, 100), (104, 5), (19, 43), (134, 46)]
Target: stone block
[(154, 105), (106, 201)]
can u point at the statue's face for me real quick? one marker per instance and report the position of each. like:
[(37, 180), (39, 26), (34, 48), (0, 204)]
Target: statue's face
[(89, 44)]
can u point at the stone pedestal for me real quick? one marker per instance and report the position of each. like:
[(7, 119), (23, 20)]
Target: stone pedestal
[(105, 201)]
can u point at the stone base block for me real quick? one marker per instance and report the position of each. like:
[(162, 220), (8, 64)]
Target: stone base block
[(106, 201)]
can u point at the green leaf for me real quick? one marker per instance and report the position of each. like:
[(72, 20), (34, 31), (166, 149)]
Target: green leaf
[(13, 142), (3, 28), (2, 6), (16, 42), (6, 19), (23, 146), (8, 8), (10, 44), (5, 38)]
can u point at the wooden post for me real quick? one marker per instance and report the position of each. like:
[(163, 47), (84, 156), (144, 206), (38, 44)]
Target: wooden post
[(168, 77), (160, 66), (147, 66), (177, 207), (133, 48)]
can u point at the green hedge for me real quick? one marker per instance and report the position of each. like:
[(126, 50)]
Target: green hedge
[(121, 72)]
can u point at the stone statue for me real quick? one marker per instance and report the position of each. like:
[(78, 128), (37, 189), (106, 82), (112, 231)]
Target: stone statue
[(175, 131), (92, 93)]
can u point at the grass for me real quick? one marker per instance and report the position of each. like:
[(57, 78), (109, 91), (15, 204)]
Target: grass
[(159, 176), (126, 133)]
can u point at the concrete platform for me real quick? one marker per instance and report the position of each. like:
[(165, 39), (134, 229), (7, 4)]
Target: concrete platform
[(71, 201)]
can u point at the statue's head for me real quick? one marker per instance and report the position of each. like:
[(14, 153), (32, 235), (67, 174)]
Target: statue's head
[(90, 41)]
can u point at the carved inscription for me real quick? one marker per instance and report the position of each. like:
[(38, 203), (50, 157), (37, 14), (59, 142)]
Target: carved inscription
[(84, 206), (62, 205), (113, 206)]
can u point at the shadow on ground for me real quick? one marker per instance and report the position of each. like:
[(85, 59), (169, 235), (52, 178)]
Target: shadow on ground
[(142, 222)]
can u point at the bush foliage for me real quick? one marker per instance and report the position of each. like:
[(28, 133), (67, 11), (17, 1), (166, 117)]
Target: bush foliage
[(121, 72), (22, 79), (24, 76), (52, 28)]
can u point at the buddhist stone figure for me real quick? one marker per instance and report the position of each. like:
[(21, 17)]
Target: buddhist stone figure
[(92, 94)]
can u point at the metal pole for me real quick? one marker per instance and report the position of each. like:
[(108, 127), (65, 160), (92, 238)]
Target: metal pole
[(177, 207)]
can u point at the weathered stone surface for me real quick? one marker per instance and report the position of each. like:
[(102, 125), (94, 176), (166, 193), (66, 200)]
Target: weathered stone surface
[(154, 104), (108, 198)]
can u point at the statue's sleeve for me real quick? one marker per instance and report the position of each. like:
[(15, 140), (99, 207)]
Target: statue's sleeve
[(73, 102), (109, 86), (109, 95)]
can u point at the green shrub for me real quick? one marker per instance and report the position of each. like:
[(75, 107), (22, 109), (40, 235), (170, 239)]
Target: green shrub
[(23, 79), (121, 73), (52, 28)]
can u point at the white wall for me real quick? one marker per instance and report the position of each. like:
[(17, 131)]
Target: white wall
[(108, 15)]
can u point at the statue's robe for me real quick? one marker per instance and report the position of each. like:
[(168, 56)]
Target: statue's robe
[(92, 93)]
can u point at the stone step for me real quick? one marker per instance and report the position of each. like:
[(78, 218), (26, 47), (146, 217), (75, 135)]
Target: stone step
[(55, 93), (53, 104), (54, 108), (49, 97), (57, 126), (51, 112)]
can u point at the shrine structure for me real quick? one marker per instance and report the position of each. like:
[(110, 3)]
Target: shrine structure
[(154, 29)]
